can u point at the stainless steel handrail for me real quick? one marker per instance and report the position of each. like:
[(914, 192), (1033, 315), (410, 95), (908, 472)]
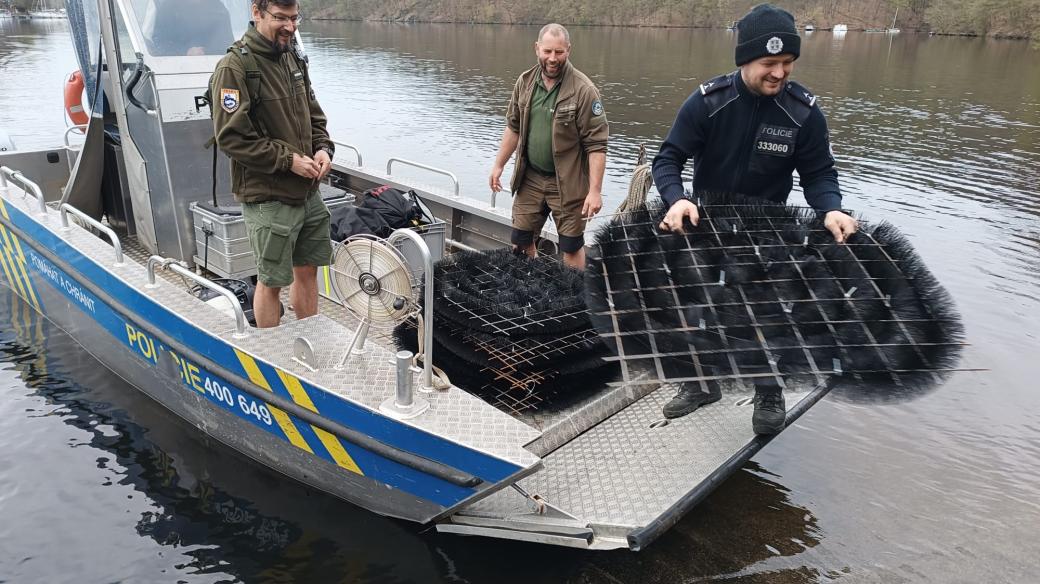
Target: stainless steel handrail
[(349, 147), (179, 269), (154, 261), (424, 250), (67, 208), (27, 185), (446, 173), (65, 138)]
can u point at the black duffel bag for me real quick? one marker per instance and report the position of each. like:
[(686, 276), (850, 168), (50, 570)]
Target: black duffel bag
[(398, 208), (348, 220)]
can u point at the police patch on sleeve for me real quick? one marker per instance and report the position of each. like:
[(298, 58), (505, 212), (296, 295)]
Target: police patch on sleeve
[(229, 100), (597, 108)]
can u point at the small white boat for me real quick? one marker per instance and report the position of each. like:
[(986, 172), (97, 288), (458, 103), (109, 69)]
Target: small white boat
[(809, 28), (42, 11), (841, 28)]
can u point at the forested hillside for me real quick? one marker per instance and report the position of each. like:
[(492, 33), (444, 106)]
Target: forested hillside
[(1004, 18)]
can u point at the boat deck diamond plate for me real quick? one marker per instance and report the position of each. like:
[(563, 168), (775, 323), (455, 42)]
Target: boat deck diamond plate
[(369, 379), (623, 473)]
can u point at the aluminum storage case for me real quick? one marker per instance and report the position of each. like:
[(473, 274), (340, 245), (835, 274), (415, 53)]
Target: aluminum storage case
[(221, 240)]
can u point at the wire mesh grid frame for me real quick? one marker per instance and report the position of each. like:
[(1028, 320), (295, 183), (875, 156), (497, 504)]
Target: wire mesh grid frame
[(513, 330), (745, 295)]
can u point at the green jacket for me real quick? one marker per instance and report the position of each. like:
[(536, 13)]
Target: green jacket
[(287, 120), (579, 127)]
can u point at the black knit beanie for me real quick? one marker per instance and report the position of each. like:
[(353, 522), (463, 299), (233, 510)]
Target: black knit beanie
[(765, 31)]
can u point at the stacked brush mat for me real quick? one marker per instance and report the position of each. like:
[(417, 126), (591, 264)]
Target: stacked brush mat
[(513, 330), (761, 292)]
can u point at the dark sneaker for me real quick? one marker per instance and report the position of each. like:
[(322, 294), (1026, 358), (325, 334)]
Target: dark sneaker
[(770, 411), (689, 398)]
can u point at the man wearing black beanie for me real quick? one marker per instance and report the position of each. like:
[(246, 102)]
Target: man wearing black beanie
[(747, 132)]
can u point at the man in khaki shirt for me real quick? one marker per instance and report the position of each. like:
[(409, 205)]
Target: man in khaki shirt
[(556, 124)]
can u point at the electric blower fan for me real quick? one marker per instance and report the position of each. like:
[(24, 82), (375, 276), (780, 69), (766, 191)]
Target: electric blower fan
[(373, 281)]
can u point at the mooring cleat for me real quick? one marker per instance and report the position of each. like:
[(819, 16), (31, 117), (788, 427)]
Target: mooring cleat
[(770, 411), (690, 397)]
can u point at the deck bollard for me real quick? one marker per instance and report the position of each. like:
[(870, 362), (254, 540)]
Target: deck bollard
[(404, 380), (405, 404)]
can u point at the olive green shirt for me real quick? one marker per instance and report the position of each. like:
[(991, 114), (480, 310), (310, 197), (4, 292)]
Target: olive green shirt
[(539, 132), (261, 138)]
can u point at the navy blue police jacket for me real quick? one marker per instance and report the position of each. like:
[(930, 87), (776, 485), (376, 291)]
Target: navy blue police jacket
[(744, 143)]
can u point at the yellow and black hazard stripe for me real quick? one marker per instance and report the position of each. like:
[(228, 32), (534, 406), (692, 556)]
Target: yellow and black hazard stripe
[(329, 442), (12, 259)]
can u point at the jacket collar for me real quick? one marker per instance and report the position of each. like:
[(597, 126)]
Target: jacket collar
[(258, 43), (566, 81), (742, 88)]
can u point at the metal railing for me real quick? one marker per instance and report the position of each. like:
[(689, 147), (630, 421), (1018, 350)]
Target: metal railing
[(447, 173), (349, 147), (66, 208), (83, 130), (427, 259), (176, 267), (27, 185)]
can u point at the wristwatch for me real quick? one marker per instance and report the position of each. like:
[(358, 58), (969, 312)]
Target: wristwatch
[(329, 151)]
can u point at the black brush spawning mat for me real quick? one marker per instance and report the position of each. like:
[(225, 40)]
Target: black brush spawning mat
[(762, 292), (514, 331)]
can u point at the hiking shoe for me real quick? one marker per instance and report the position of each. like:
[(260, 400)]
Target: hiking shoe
[(689, 398), (770, 411)]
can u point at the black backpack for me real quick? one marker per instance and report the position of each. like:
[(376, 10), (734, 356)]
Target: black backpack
[(398, 208), (348, 220), (380, 211)]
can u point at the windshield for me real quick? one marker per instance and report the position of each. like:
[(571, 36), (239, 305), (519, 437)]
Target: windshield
[(191, 27)]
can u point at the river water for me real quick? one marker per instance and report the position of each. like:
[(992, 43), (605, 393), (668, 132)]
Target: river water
[(940, 136)]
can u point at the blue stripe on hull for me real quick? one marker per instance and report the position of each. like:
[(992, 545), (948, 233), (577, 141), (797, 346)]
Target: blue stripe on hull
[(221, 393)]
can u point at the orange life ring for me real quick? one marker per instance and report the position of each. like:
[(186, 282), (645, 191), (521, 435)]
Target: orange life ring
[(74, 99)]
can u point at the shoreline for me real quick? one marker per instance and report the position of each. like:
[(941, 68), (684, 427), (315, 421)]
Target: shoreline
[(995, 36)]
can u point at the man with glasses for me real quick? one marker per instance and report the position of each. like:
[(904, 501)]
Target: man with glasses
[(274, 133)]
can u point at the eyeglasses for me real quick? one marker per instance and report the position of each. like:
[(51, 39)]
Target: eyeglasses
[(282, 19)]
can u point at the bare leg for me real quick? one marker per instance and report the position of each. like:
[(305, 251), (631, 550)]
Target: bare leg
[(304, 291), (575, 259), (267, 308)]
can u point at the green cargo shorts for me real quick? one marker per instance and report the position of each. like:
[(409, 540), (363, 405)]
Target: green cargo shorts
[(283, 236)]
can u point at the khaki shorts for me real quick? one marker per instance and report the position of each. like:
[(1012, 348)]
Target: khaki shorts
[(539, 193), (283, 236)]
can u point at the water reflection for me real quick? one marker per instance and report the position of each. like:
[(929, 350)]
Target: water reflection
[(208, 507), (215, 514), (749, 530)]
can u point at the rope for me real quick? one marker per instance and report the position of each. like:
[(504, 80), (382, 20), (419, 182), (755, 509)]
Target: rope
[(439, 379), (642, 179)]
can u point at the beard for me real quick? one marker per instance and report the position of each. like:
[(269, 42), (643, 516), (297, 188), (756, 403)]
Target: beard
[(555, 74), (280, 46)]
